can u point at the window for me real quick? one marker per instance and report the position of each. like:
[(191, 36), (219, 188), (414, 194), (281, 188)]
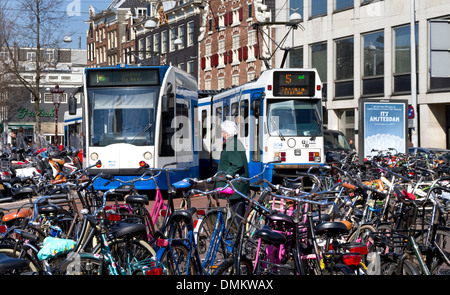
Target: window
[(347, 123), (402, 58), (173, 37), (296, 57), (157, 39), (373, 64), (31, 56), (319, 59), (141, 48), (191, 34), (318, 8), (148, 47), (164, 42), (344, 67), (243, 118), (296, 6), (343, 4), (181, 35), (235, 80), (190, 67)]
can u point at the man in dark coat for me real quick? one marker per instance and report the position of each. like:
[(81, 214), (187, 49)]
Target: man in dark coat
[(233, 161)]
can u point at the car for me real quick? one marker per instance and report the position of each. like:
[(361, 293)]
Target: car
[(336, 145), (438, 153)]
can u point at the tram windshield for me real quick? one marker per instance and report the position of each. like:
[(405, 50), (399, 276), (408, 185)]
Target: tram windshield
[(294, 117), (122, 115)]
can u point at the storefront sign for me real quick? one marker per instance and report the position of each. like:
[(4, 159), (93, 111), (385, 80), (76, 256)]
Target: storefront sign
[(25, 112)]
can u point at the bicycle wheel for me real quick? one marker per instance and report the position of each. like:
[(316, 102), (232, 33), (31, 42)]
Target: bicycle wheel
[(176, 260), (442, 239), (83, 264), (227, 267), (130, 254)]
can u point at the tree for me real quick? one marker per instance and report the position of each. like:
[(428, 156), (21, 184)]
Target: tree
[(37, 24)]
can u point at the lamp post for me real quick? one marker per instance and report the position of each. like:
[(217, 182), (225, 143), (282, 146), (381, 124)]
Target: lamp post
[(56, 97)]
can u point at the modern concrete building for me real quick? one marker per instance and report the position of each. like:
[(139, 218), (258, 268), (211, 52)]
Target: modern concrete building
[(362, 50)]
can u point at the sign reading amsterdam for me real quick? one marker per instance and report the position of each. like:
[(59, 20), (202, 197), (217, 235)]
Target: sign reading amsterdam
[(293, 83), (126, 77), (384, 127)]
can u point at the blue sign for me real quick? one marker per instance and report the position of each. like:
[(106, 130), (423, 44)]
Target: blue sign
[(410, 112)]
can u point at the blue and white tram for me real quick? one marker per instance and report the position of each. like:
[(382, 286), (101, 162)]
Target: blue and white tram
[(279, 117), (73, 130), (136, 114)]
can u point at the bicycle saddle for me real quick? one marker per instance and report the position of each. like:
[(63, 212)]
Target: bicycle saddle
[(332, 228), (184, 215), (8, 263), (182, 184), (130, 230), (48, 209), (137, 199), (269, 236)]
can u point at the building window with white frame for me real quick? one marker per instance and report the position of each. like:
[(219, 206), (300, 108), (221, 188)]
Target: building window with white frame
[(148, 47), (164, 41), (191, 33), (181, 35)]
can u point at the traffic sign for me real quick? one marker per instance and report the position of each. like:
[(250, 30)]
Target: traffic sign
[(410, 112)]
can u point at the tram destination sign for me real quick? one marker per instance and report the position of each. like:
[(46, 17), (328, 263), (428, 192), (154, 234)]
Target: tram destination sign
[(294, 83), (125, 77)]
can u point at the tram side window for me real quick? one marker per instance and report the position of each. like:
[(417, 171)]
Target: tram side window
[(167, 131), (243, 118), (204, 123), (218, 122), (255, 146)]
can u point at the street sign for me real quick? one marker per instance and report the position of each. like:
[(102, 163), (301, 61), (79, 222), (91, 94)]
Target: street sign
[(410, 112)]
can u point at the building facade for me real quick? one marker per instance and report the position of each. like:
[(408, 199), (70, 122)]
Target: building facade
[(362, 49), (111, 36), (169, 35), (63, 68), (231, 48)]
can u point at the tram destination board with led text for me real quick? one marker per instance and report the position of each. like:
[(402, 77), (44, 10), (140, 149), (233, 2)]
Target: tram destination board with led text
[(122, 77), (291, 83)]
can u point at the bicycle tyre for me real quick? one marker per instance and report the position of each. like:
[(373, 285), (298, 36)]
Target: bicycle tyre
[(128, 254), (84, 264), (438, 265), (179, 252), (227, 267)]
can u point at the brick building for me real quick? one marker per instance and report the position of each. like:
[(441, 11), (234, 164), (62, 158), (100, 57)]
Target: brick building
[(230, 46)]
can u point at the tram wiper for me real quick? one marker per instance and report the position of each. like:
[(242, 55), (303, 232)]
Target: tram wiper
[(278, 128), (140, 133)]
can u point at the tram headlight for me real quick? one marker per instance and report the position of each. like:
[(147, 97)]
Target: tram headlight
[(147, 155), (94, 156)]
